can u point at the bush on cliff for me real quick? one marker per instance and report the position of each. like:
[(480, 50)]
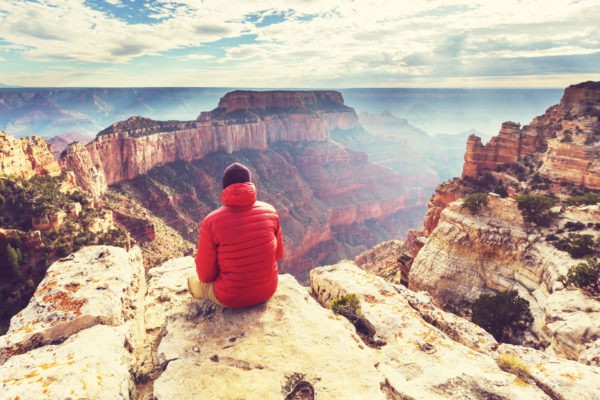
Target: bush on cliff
[(580, 246), (13, 260), (536, 208), (347, 305), (502, 314), (586, 198), (585, 275), (475, 202)]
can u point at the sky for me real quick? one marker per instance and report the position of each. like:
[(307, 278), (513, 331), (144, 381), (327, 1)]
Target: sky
[(299, 44)]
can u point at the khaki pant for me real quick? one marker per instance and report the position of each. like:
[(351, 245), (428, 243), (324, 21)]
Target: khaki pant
[(202, 291)]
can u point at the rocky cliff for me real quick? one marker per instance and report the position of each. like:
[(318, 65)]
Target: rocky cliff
[(98, 328), (333, 202), (26, 157), (131, 148), (469, 253), (88, 177), (566, 138)]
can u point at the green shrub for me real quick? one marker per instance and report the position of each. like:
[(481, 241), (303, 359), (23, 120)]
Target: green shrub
[(585, 275), (536, 208), (475, 202), (586, 198), (13, 257), (580, 246), (502, 314), (347, 305)]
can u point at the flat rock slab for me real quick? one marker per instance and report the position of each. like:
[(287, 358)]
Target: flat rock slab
[(264, 352), (167, 291), (91, 364), (96, 285), (563, 379), (419, 360)]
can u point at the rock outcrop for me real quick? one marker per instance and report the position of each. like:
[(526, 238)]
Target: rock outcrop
[(130, 148), (26, 157), (95, 329), (574, 161), (88, 177), (468, 255), (566, 138)]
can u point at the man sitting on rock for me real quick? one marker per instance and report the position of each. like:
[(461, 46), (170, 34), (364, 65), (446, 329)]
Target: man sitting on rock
[(238, 246)]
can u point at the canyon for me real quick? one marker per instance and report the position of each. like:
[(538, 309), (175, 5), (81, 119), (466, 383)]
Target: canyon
[(333, 201), (465, 254), (151, 340)]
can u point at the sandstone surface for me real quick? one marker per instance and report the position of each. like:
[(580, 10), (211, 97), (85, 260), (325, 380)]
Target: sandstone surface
[(87, 175), (468, 255), (26, 157), (155, 341), (97, 285)]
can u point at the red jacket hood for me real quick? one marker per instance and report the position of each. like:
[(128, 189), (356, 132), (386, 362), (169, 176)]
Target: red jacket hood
[(239, 194)]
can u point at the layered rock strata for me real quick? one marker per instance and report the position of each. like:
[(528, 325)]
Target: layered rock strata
[(88, 176), (468, 255), (133, 147), (26, 157), (566, 138), (289, 347), (333, 203)]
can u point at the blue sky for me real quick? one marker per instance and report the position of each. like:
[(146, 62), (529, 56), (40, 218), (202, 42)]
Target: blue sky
[(299, 44)]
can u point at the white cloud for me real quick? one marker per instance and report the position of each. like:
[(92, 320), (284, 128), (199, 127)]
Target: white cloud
[(318, 42)]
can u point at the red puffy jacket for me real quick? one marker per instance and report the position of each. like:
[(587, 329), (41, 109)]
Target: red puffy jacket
[(238, 248)]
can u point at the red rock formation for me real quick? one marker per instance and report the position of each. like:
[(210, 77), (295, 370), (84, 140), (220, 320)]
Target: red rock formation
[(511, 144), (575, 163), (87, 175), (282, 100), (133, 147), (26, 157), (444, 195), (577, 111)]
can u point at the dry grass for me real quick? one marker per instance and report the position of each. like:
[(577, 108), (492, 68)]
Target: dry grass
[(512, 364)]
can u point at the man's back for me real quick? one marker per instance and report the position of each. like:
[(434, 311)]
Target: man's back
[(238, 248)]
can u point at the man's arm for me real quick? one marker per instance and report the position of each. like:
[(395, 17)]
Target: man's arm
[(206, 256)]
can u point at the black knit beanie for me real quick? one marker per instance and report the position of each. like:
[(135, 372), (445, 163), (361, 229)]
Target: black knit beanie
[(236, 173)]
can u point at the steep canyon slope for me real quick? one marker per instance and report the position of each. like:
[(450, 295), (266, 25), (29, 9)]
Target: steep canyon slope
[(161, 177), (498, 247)]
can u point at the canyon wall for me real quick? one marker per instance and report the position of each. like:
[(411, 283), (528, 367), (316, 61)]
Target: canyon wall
[(469, 253), (98, 327), (333, 202), (26, 157), (88, 177), (133, 147), (567, 136)]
